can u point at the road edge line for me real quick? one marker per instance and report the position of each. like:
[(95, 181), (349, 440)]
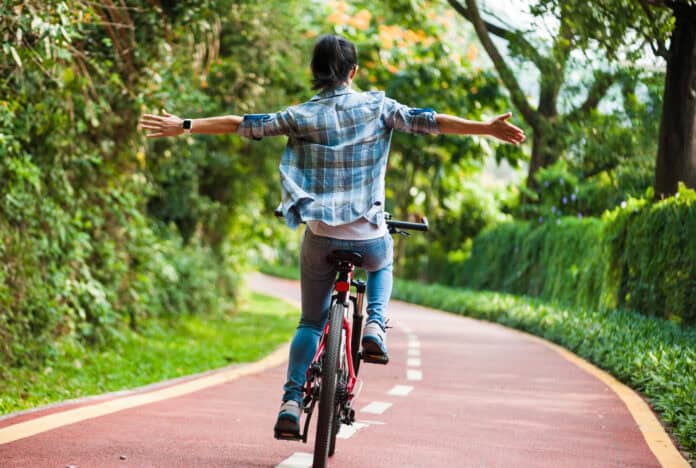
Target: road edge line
[(658, 440), (41, 424)]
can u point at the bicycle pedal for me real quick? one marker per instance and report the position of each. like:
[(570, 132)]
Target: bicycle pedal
[(287, 436), (375, 358)]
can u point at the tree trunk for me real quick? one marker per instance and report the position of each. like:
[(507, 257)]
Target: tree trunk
[(537, 160), (676, 156), (544, 151)]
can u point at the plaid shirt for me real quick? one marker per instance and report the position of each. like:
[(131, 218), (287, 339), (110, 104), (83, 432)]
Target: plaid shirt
[(333, 166)]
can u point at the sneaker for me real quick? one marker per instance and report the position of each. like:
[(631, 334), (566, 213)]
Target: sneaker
[(288, 424), (374, 343)]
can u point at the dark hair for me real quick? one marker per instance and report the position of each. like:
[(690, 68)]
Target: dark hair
[(332, 60)]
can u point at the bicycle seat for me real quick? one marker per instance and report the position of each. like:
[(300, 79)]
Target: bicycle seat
[(341, 256)]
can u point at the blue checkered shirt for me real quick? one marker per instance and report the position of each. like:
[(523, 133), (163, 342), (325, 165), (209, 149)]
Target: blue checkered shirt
[(333, 166)]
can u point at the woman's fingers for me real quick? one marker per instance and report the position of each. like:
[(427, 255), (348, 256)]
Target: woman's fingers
[(159, 125), (150, 126), (511, 133), (152, 117)]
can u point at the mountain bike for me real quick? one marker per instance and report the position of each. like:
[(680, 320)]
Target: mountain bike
[(332, 374)]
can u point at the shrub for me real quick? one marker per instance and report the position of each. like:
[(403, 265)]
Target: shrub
[(639, 256)]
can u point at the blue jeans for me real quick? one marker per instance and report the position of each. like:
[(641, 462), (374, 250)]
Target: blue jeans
[(317, 280)]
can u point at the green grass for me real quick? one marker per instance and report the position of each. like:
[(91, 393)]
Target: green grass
[(161, 350), (281, 271), (651, 355)]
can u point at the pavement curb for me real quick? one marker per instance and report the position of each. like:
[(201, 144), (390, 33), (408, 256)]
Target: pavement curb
[(133, 398)]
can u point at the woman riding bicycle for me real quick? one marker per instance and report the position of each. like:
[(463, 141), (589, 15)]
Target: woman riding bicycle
[(333, 178)]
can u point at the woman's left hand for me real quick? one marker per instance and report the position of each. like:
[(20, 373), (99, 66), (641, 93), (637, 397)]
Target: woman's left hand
[(164, 125), (501, 129)]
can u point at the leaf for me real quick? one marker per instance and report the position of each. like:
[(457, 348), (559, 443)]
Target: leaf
[(15, 55)]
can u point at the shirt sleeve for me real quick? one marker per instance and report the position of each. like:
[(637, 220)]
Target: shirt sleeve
[(410, 119), (257, 126)]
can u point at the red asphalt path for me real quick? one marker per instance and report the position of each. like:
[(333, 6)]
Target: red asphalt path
[(489, 397)]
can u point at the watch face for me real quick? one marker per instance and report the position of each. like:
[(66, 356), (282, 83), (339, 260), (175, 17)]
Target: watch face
[(187, 124)]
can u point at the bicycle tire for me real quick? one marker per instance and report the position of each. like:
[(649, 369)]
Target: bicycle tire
[(334, 433), (327, 398), (342, 375)]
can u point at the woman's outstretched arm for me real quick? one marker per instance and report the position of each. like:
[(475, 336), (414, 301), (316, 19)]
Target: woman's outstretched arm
[(166, 125), (498, 127)]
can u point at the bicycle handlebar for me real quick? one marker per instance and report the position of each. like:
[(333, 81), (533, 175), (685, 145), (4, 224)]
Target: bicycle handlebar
[(394, 225)]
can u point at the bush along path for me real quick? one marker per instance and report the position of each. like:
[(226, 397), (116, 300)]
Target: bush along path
[(639, 256), (653, 356), (160, 350)]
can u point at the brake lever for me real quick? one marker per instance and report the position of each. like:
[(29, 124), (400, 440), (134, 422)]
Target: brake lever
[(404, 233)]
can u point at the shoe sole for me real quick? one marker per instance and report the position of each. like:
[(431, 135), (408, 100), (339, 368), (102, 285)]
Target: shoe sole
[(287, 429), (373, 353)]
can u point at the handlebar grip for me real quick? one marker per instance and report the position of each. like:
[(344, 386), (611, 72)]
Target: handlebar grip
[(422, 226)]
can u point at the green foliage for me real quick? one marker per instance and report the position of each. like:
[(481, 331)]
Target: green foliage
[(654, 356), (163, 349), (467, 209), (291, 272), (242, 63), (655, 248), (639, 256), (608, 28), (597, 105), (96, 232), (561, 192)]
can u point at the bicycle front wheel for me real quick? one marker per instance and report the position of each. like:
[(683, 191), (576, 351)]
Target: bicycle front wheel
[(327, 399)]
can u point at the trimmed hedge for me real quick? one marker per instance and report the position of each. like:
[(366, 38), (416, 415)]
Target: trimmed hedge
[(640, 256), (652, 355)]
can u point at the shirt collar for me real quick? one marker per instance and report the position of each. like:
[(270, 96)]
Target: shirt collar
[(337, 91)]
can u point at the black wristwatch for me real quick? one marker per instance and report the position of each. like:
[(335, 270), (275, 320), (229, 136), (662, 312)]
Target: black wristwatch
[(187, 125)]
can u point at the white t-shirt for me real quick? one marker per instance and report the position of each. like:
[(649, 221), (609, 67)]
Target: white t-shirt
[(361, 229)]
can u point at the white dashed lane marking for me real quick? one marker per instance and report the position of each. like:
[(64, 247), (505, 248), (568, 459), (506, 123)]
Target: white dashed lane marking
[(376, 407), (414, 362), (371, 422), (297, 460), (304, 460), (400, 390), (347, 431)]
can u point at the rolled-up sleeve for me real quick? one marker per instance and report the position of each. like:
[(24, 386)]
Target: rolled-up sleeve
[(410, 119), (257, 126)]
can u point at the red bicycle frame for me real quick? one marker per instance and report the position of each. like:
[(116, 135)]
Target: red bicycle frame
[(342, 287)]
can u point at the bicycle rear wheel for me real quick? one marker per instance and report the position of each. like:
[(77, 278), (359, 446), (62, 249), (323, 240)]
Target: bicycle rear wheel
[(342, 376), (327, 399)]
